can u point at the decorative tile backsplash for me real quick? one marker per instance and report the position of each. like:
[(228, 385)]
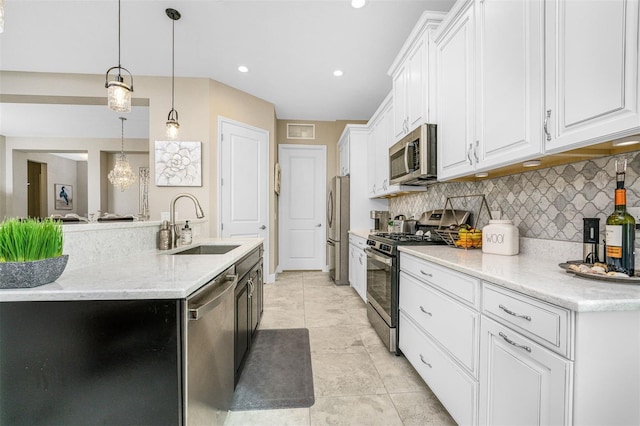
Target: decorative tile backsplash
[(545, 203)]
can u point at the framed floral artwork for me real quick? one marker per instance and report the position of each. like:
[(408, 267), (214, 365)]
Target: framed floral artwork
[(178, 163)]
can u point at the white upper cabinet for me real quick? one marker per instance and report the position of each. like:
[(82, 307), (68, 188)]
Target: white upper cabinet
[(344, 152), (455, 92), (510, 81), (489, 85), (410, 76), (591, 72)]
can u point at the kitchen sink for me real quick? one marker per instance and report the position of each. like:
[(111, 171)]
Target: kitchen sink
[(208, 249)]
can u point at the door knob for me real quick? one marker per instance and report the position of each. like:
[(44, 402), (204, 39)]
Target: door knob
[(263, 227), (318, 225)]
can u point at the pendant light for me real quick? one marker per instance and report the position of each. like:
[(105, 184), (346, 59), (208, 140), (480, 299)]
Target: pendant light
[(1, 16), (122, 176), (172, 120), (119, 92)]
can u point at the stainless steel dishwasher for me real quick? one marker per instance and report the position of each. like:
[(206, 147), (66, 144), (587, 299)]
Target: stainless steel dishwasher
[(210, 351)]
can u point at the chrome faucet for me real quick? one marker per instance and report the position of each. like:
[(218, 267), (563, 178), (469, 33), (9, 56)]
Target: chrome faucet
[(172, 225)]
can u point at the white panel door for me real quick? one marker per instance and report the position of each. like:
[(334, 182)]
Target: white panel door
[(244, 182), (302, 232)]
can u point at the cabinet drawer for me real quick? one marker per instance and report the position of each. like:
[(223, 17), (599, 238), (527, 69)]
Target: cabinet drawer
[(358, 241), (461, 286), (540, 321), (450, 323), (454, 388)]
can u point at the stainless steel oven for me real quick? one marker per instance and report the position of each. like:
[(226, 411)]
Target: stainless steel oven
[(381, 294)]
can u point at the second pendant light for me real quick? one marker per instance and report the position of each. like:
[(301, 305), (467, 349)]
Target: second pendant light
[(172, 120)]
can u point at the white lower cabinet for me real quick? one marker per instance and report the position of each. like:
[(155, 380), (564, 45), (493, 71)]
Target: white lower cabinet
[(521, 382), (454, 387), (358, 265)]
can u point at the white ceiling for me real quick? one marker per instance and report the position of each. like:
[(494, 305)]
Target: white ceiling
[(291, 47)]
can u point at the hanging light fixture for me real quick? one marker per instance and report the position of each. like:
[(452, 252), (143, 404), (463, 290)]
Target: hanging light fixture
[(1, 16), (122, 176), (172, 120), (119, 92)]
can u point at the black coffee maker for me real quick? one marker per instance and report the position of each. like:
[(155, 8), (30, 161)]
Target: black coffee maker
[(590, 236)]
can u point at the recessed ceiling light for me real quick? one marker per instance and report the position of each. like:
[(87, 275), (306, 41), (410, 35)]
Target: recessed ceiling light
[(532, 163), (482, 174), (632, 140), (242, 68), (357, 4), (338, 73)]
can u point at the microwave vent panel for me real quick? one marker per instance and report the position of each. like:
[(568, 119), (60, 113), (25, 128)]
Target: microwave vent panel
[(301, 131)]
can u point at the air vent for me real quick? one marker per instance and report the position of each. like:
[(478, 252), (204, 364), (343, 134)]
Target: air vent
[(301, 131)]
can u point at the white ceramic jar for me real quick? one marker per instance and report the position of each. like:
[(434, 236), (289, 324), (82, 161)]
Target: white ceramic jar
[(501, 237)]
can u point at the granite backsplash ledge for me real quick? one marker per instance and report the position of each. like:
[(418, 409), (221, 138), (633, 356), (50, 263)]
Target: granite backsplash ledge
[(547, 203)]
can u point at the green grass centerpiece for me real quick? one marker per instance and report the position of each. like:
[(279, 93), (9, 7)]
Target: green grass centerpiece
[(30, 252)]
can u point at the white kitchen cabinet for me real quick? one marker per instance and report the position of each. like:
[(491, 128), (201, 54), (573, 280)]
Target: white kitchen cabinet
[(490, 83), (520, 381), (410, 76), (344, 152), (455, 43), (510, 82), (358, 265), (592, 72), (355, 142)]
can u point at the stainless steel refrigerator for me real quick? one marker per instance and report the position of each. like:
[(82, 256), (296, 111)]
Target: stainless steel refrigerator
[(338, 227)]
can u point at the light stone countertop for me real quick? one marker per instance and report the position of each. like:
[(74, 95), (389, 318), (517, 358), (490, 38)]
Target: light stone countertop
[(535, 275), (153, 274), (360, 233)]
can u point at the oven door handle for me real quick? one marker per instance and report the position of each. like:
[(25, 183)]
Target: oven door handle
[(370, 253)]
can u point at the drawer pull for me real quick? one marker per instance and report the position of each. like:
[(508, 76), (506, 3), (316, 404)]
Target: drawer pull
[(527, 317), (426, 312), (426, 274), (511, 342), (424, 362)]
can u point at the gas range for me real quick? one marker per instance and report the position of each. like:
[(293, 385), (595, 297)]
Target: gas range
[(388, 242)]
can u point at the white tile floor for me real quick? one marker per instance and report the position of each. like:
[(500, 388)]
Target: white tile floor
[(356, 380)]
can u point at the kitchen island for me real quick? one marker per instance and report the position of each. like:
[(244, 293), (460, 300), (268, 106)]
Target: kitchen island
[(517, 340), (107, 343)]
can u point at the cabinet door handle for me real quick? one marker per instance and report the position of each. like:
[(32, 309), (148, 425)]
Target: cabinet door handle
[(360, 260), (251, 287), (546, 122), (469, 155), (426, 312), (510, 312), (511, 342), (425, 362), (475, 151), (426, 273)]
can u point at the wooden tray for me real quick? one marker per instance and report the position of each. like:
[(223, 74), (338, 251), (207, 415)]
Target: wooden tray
[(624, 280)]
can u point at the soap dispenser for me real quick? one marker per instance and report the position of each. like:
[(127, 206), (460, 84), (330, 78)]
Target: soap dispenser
[(185, 234)]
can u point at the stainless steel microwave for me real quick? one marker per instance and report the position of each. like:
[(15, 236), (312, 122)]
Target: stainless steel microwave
[(412, 161)]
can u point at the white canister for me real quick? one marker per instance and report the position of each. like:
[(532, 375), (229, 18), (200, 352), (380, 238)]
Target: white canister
[(501, 237)]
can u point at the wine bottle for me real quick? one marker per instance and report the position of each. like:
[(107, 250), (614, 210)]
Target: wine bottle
[(620, 229)]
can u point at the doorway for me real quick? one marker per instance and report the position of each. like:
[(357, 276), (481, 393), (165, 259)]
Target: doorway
[(244, 182), (302, 204), (37, 190)]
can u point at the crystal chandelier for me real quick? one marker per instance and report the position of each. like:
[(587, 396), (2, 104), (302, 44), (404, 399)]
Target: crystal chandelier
[(122, 176), (119, 92), (172, 120)]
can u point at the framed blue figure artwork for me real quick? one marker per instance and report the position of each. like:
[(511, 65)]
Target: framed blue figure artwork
[(63, 195)]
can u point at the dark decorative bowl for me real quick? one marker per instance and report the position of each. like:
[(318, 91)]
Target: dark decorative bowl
[(32, 274)]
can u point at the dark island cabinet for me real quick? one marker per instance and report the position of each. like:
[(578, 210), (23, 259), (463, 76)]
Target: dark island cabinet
[(249, 305), (91, 363)]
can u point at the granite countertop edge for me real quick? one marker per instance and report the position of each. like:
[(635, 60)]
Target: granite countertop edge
[(153, 274), (535, 276)]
